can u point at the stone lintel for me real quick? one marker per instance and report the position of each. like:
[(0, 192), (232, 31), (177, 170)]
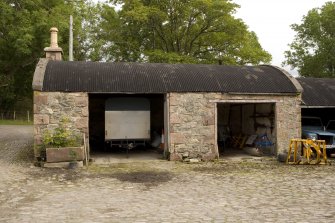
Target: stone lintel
[(254, 101)]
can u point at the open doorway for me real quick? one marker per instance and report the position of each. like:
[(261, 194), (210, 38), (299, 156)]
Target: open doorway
[(246, 129), (125, 135), (325, 113)]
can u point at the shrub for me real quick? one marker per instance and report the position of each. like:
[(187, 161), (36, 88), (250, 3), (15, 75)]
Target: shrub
[(61, 136)]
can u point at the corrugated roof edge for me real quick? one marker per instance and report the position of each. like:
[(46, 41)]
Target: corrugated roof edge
[(319, 92), (294, 81), (38, 78), (38, 83)]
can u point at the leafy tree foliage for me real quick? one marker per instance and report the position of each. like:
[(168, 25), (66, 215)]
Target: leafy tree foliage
[(171, 31), (24, 33), (312, 51), (178, 31)]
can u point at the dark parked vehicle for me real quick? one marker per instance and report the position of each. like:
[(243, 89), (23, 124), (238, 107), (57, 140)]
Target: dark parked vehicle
[(312, 128)]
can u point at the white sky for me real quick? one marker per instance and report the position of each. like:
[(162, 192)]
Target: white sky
[(271, 20)]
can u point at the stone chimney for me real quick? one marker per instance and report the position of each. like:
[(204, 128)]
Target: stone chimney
[(53, 52)]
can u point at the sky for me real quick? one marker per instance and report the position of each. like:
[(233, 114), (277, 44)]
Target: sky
[(271, 20)]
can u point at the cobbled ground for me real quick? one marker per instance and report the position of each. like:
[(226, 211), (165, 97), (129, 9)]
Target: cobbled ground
[(261, 190)]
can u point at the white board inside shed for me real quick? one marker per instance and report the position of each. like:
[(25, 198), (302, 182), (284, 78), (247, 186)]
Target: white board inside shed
[(127, 118)]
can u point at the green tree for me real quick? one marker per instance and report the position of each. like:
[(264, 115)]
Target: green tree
[(24, 27), (178, 31), (312, 51)]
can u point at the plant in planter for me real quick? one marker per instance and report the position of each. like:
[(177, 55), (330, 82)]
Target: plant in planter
[(62, 144), (61, 136)]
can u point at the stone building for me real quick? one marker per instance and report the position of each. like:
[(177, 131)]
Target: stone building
[(194, 107)]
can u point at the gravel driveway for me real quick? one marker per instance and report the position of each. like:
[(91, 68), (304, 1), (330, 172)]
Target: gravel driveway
[(16, 144), (260, 190)]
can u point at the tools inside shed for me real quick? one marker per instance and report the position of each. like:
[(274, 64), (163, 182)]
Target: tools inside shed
[(247, 128)]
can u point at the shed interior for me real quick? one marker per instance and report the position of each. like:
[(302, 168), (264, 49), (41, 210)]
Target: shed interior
[(97, 103), (325, 113), (246, 128)]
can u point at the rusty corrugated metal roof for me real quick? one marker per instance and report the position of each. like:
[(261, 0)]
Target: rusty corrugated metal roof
[(318, 92), (109, 77)]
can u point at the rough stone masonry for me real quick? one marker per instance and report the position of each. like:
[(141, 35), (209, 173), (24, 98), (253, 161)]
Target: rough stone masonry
[(51, 107), (192, 121)]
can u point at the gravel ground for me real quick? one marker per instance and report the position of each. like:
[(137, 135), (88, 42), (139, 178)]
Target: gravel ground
[(16, 153), (16, 144), (261, 190)]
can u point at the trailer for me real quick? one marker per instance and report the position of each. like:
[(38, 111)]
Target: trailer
[(127, 122)]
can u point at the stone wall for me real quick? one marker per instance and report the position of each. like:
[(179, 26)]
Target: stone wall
[(192, 123), (192, 119), (192, 126), (288, 121), (51, 107)]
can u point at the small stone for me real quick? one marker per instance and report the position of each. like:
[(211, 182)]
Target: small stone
[(194, 161), (282, 157)]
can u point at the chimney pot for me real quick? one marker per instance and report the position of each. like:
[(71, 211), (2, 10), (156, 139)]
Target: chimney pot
[(54, 37), (53, 52)]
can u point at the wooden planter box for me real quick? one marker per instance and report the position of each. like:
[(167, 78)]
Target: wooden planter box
[(63, 154)]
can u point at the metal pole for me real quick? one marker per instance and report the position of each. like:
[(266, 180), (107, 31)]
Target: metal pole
[(28, 116), (71, 40)]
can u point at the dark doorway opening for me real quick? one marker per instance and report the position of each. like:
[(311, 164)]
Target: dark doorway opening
[(326, 114), (246, 128), (97, 120)]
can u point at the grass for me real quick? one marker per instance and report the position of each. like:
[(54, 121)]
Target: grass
[(15, 122)]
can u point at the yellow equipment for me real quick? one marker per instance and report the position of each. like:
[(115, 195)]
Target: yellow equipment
[(310, 148), (238, 141)]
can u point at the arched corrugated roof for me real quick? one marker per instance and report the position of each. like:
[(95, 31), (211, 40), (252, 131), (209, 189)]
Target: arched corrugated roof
[(107, 77), (318, 92)]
